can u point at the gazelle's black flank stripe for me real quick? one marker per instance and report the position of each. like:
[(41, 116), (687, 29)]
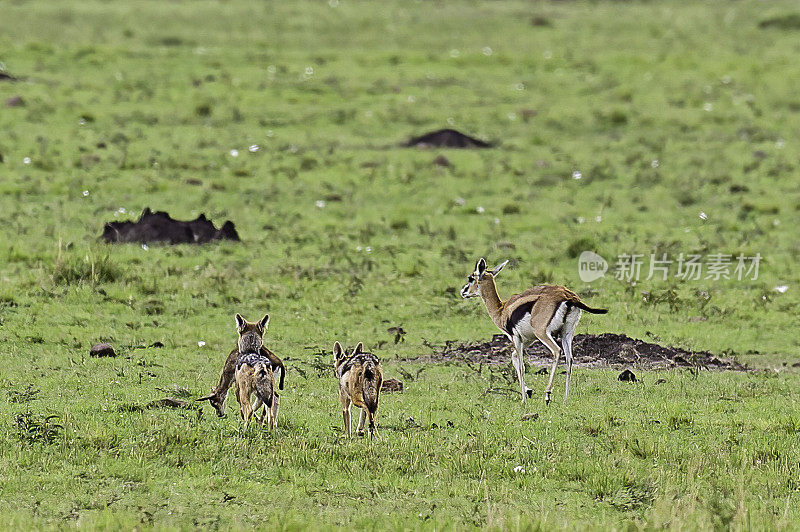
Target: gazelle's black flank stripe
[(517, 315)]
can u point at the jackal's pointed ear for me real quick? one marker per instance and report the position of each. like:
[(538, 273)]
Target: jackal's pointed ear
[(263, 323), (239, 322), (359, 348), (337, 350), (498, 268), (480, 267)]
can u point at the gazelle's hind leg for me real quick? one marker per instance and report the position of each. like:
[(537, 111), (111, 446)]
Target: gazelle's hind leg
[(519, 364), (570, 324), (548, 341)]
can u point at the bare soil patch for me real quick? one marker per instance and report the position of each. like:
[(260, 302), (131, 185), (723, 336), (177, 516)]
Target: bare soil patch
[(606, 350)]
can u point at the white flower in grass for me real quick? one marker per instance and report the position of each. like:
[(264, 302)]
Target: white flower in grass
[(703, 216), (654, 163), (487, 51), (201, 343), (519, 469), (577, 175), (234, 153), (145, 247), (320, 204), (85, 193), (480, 210), (708, 107), (254, 148), (782, 288), (26, 160)]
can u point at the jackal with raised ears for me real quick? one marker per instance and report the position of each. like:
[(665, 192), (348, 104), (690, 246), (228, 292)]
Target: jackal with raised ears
[(250, 342), (360, 377)]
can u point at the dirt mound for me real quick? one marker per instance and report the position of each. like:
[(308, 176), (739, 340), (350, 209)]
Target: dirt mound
[(589, 350), (160, 227), (446, 138)]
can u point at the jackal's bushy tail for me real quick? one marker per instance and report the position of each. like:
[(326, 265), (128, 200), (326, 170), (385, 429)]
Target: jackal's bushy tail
[(265, 384), (372, 385)]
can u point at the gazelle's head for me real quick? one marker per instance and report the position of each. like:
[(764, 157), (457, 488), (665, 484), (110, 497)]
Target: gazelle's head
[(472, 288), (251, 333)]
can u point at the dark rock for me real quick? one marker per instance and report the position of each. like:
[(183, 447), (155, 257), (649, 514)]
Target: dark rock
[(5, 76), (157, 344), (446, 138), (160, 227), (442, 161), (627, 376), (15, 101), (391, 385), (533, 416), (102, 350)]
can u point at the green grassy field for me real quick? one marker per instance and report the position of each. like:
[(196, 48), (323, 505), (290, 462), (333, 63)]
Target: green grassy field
[(681, 119)]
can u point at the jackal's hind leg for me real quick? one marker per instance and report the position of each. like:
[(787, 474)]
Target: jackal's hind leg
[(361, 420)]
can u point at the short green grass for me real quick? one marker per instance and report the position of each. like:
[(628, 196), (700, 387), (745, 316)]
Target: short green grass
[(667, 110)]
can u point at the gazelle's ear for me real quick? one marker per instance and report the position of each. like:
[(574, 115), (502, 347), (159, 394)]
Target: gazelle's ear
[(498, 268), (337, 350), (239, 322), (480, 267), (263, 323), (359, 348)]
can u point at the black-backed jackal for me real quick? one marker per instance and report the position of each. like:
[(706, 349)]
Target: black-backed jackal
[(254, 375), (360, 376), (540, 312), (219, 393)]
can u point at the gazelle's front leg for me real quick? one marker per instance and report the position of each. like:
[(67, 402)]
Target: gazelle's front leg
[(519, 364), (548, 341)]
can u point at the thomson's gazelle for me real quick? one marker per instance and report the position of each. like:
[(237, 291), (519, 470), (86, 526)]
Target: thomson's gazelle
[(541, 312)]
